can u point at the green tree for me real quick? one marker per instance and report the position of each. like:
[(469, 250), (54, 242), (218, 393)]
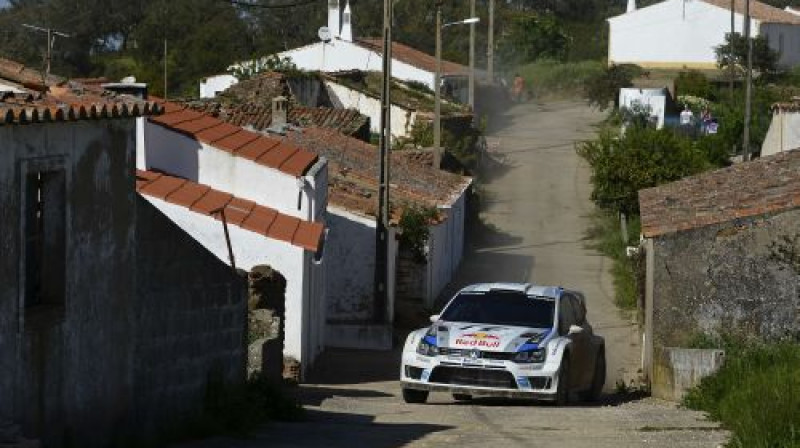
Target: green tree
[(603, 89), (531, 36), (642, 158), (734, 52)]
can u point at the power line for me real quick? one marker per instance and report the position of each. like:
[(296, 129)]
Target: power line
[(262, 6)]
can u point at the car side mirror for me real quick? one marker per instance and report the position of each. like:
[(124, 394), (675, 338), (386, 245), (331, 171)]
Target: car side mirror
[(434, 318), (574, 329)]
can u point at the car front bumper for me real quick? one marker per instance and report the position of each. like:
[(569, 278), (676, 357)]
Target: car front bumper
[(485, 378)]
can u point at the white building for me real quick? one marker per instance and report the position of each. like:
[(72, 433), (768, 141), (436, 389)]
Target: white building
[(273, 195), (350, 247), (684, 33), (344, 52), (784, 130)]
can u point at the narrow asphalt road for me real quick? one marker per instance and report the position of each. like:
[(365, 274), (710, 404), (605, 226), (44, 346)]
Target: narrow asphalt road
[(532, 227)]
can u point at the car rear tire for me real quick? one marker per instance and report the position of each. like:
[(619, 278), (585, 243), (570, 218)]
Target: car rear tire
[(462, 397), (413, 396), (598, 379), (562, 390)]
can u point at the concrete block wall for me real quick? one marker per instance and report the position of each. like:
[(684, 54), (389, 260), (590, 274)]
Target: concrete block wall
[(724, 279), (191, 322)]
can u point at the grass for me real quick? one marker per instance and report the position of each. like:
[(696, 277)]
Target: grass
[(756, 394), (605, 235), (553, 78)]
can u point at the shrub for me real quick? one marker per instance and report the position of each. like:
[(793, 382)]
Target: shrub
[(642, 158), (602, 89), (548, 76), (415, 231), (695, 84), (755, 394)]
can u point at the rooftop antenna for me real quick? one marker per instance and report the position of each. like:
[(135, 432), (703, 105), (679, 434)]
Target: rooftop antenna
[(51, 39)]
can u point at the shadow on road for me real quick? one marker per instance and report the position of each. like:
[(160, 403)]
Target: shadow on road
[(350, 366)]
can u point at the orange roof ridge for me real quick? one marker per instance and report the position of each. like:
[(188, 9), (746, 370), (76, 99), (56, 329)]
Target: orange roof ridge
[(243, 213), (264, 150)]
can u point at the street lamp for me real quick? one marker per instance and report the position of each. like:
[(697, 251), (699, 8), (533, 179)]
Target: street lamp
[(437, 114)]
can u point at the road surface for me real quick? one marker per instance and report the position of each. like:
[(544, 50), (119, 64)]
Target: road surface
[(532, 227)]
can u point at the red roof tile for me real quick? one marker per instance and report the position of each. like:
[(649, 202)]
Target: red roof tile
[(284, 228), (763, 186), (236, 141), (163, 186), (239, 212), (277, 156), (231, 138), (211, 202), (759, 11), (413, 57)]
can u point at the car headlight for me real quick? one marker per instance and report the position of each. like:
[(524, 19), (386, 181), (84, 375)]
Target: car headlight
[(529, 356), (427, 346)]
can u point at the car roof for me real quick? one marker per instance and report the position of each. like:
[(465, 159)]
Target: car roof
[(525, 288)]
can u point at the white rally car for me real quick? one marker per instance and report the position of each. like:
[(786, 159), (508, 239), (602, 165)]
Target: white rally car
[(506, 340)]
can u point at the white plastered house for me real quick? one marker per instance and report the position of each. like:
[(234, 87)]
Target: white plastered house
[(344, 52), (273, 195), (684, 33), (784, 130)]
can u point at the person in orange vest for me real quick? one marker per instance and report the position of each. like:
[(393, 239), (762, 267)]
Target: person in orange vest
[(518, 88)]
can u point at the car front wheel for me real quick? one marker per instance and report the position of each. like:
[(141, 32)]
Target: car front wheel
[(414, 396)]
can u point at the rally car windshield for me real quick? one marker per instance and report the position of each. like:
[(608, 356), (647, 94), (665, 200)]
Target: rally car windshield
[(501, 308)]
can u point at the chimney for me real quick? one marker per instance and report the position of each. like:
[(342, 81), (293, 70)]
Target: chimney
[(280, 112), (347, 24), (333, 18), (631, 6)]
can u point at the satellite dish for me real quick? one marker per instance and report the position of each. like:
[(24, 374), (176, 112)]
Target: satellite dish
[(324, 34)]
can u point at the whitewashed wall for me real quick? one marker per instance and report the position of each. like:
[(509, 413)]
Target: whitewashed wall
[(213, 85), (344, 97), (177, 154), (783, 133), (663, 35), (304, 294), (445, 249)]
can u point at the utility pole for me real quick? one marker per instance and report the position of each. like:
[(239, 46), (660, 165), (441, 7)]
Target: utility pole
[(472, 57), (51, 39), (748, 86), (731, 68), (165, 68), (490, 46), (379, 314), (437, 91)]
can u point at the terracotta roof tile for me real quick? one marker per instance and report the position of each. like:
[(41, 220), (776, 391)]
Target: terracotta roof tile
[(763, 186), (218, 132), (260, 220), (163, 186), (188, 195), (277, 156), (196, 125), (236, 141), (308, 235), (212, 201), (759, 11), (239, 212), (231, 138), (284, 228), (353, 171), (413, 56), (257, 148), (299, 163)]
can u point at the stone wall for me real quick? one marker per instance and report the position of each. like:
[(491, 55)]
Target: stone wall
[(724, 279), (190, 323), (411, 276)]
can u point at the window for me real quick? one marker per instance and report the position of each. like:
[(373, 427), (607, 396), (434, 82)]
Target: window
[(44, 230), (501, 308)]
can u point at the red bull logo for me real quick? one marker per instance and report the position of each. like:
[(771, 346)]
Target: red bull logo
[(478, 339)]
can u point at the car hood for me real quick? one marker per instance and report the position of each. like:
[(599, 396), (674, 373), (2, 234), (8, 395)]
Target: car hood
[(494, 338)]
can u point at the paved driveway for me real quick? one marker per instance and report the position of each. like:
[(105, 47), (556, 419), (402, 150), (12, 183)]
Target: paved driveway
[(532, 228)]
